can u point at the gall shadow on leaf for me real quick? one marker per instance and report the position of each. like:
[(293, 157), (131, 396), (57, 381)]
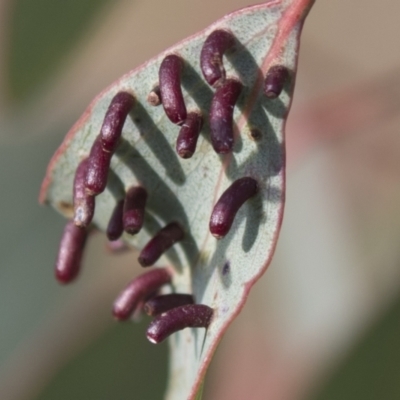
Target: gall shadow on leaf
[(116, 188), (238, 140), (152, 226), (243, 61), (268, 145), (275, 107), (225, 274), (198, 89), (202, 94), (115, 185), (251, 211), (158, 144), (268, 158), (266, 161), (254, 206), (162, 202), (254, 219)]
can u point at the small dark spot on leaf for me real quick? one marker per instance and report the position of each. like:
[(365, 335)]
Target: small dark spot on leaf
[(255, 134), (224, 309), (226, 268)]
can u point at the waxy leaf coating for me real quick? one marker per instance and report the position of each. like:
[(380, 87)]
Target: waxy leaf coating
[(218, 273)]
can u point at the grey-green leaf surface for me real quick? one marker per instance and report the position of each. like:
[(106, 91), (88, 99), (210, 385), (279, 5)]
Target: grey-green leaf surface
[(219, 273)]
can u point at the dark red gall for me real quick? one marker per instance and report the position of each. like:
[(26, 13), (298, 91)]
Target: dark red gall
[(97, 169), (160, 243), (84, 203), (138, 290), (170, 88), (134, 207), (115, 226), (159, 304), (211, 57), (70, 252), (221, 115), (275, 80), (189, 316), (114, 120), (188, 135), (228, 205)]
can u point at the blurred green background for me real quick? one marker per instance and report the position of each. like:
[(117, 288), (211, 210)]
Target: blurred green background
[(41, 35)]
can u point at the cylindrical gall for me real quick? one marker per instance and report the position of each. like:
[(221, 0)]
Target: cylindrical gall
[(97, 169), (159, 304), (114, 120), (135, 203), (228, 205), (211, 57), (170, 88), (138, 290), (189, 316), (188, 135), (221, 115), (160, 243), (70, 252), (275, 80), (83, 202), (115, 226)]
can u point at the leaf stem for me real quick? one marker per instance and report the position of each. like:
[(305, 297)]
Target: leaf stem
[(298, 10), (199, 394)]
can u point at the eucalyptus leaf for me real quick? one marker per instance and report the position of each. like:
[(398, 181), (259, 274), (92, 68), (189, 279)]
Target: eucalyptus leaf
[(219, 273)]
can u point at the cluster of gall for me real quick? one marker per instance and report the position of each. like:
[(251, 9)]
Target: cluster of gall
[(173, 311)]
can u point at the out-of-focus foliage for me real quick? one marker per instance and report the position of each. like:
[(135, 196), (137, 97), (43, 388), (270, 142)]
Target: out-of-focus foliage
[(371, 369), (42, 32), (122, 364)]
